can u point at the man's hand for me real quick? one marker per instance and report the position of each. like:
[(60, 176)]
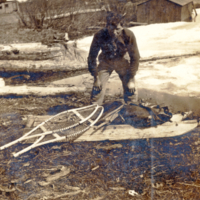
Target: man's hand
[(97, 84), (131, 86)]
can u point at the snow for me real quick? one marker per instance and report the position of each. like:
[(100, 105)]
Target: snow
[(27, 47), (162, 39), (178, 76)]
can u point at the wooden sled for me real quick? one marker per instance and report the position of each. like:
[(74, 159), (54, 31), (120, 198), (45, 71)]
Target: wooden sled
[(67, 125), (128, 132)]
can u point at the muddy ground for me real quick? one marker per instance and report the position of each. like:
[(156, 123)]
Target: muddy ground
[(164, 168)]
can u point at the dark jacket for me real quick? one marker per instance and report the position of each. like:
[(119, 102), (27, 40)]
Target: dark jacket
[(114, 49)]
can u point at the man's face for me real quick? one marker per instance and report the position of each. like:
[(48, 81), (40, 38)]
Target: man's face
[(114, 29)]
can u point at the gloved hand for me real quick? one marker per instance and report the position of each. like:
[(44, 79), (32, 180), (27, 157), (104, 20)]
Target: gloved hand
[(131, 86), (97, 84)]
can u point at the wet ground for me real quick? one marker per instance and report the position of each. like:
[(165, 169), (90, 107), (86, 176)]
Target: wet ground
[(36, 77), (163, 168)]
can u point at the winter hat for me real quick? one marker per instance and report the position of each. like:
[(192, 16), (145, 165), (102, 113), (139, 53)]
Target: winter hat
[(113, 18)]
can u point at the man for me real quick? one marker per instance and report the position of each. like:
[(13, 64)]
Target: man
[(114, 41)]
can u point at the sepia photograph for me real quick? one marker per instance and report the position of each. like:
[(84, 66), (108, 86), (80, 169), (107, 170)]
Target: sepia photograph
[(99, 99)]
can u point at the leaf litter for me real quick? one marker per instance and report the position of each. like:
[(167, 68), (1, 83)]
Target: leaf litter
[(160, 168)]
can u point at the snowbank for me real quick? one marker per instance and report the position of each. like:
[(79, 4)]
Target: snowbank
[(177, 76), (162, 39)]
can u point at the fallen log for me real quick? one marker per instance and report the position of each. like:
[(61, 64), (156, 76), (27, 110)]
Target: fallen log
[(197, 53), (24, 56), (40, 91), (42, 65), (60, 62)]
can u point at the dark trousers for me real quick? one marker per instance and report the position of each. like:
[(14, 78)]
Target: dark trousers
[(105, 68)]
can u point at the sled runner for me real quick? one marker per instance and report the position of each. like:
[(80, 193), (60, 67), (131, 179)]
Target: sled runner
[(67, 125)]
